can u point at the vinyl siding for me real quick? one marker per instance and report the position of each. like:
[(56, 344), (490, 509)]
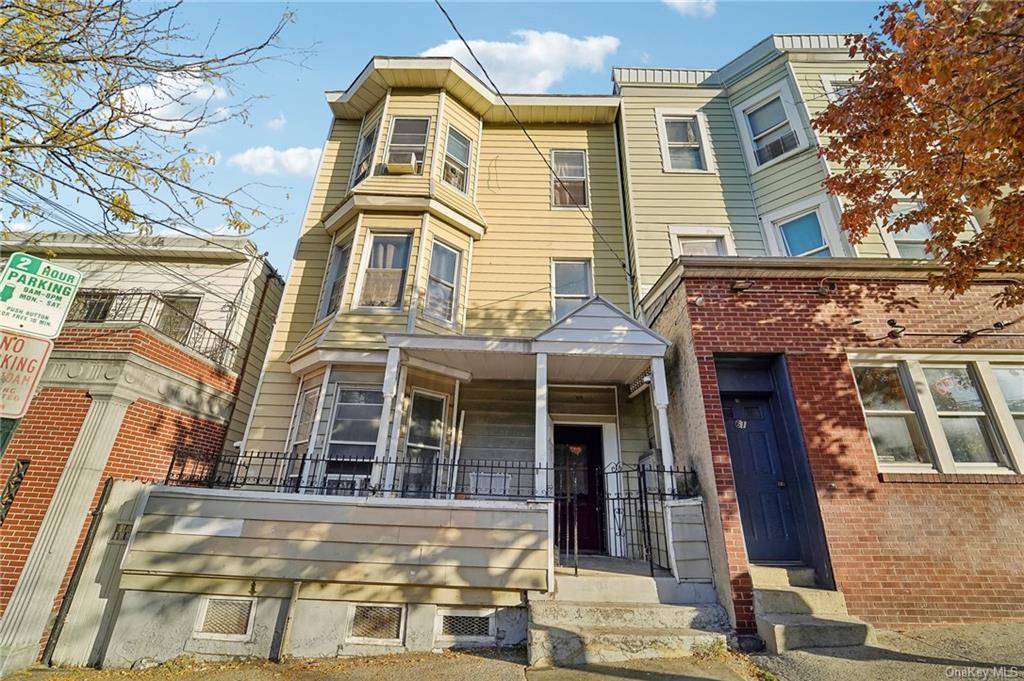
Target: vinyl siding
[(460, 241), (345, 540), (456, 115), (661, 199), (404, 103), (272, 410), (525, 232)]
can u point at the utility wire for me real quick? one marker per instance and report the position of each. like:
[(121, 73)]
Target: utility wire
[(74, 222), (540, 153)]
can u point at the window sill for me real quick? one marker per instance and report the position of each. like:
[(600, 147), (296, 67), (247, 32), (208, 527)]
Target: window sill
[(377, 310), (988, 478), (673, 171), (572, 208)]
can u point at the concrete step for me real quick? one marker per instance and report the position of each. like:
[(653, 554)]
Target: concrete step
[(580, 645), (559, 613), (764, 576), (800, 600), (627, 589), (781, 632)]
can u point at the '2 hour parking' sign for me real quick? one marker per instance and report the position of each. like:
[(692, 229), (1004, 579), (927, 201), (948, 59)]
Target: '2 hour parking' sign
[(35, 295)]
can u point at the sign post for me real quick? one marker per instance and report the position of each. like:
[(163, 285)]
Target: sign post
[(22, 359), (35, 295)]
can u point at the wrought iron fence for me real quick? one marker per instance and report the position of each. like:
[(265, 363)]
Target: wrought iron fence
[(617, 510), (174, 319)]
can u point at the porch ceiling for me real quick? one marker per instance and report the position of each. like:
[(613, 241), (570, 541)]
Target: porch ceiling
[(522, 366)]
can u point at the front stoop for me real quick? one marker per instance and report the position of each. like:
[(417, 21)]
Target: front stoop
[(791, 612), (597, 619)]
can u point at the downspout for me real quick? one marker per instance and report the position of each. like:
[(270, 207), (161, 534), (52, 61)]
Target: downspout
[(286, 633), (76, 575), (247, 355)]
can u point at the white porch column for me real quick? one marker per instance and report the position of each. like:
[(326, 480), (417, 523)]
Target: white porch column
[(659, 391), (540, 427), (389, 390)]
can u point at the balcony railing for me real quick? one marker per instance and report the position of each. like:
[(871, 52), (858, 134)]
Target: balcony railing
[(174, 319)]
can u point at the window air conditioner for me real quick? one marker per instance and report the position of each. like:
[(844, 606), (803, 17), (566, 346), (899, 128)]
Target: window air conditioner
[(401, 163)]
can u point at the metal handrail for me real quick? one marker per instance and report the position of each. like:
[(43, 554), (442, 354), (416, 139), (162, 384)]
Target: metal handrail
[(100, 305)]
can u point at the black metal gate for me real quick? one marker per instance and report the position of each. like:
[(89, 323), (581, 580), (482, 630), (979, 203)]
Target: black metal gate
[(630, 511)]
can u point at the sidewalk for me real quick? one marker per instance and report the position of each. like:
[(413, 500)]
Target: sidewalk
[(962, 652)]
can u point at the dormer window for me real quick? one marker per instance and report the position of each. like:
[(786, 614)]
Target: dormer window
[(408, 146)]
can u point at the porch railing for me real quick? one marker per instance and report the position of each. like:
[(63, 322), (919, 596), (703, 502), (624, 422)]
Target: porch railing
[(97, 305), (618, 510)]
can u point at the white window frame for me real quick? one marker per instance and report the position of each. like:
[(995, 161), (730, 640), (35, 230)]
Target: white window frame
[(706, 152), (492, 628), (830, 83), (784, 91), (590, 280), (1007, 437), (585, 178), (915, 411), (469, 165), (819, 203), (333, 275), (455, 284), (349, 638), (201, 618), (426, 140), (677, 232), (364, 263), (375, 126), (324, 458), (890, 241)]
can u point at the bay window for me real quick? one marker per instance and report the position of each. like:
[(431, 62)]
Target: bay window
[(408, 142), (352, 438), (442, 283), (363, 166), (424, 444), (456, 160)]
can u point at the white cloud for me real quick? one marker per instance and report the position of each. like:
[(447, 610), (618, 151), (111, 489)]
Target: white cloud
[(269, 161), (176, 103), (277, 122), (536, 62), (693, 8), (18, 226)]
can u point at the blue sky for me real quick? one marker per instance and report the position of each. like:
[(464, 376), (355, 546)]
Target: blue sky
[(557, 47)]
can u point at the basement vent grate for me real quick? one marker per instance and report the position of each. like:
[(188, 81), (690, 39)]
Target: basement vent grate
[(377, 622), (466, 626), (227, 617)]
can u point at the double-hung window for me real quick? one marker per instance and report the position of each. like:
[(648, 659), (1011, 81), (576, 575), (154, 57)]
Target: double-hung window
[(384, 275), (838, 87), (959, 416), (770, 130), (352, 439), (409, 141), (701, 240), (424, 444), (364, 155), (807, 228), (769, 125), (456, 160), (335, 283), (910, 243), (569, 180), (1011, 384), (893, 419), (573, 285), (964, 415), (684, 141), (302, 428), (442, 283)]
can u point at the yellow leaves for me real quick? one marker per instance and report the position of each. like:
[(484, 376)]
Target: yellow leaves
[(121, 208)]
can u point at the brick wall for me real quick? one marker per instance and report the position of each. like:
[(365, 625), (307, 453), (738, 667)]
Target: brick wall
[(905, 550), (148, 345)]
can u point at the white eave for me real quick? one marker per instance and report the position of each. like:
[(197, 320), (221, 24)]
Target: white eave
[(383, 73)]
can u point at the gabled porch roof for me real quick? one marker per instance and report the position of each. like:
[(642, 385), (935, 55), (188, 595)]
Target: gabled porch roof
[(598, 342)]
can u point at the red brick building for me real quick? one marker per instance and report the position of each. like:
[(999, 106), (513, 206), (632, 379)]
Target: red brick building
[(844, 417), (152, 361)]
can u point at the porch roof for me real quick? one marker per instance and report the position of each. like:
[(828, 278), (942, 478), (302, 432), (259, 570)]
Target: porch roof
[(597, 342)]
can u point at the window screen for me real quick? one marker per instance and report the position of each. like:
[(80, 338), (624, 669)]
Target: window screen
[(379, 622)]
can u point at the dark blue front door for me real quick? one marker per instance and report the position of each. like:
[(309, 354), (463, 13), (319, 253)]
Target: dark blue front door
[(762, 490)]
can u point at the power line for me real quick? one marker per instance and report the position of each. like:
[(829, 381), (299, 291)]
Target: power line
[(536, 148), (74, 222)]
